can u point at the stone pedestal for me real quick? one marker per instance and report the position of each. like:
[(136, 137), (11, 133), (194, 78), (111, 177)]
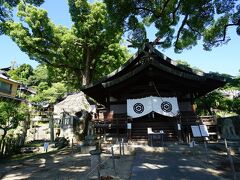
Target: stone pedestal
[(95, 161)]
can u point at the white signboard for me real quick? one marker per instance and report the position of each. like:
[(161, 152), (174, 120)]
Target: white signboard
[(200, 131), (196, 131), (204, 130), (129, 125), (179, 127)]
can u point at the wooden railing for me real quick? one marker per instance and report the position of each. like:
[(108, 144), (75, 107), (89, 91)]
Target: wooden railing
[(208, 120)]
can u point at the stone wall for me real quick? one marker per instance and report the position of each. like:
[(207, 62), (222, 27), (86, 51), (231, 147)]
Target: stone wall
[(229, 127)]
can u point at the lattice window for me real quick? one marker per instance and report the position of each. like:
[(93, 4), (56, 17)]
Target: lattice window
[(5, 87)]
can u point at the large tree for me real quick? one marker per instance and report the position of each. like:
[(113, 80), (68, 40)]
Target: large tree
[(88, 50), (179, 23)]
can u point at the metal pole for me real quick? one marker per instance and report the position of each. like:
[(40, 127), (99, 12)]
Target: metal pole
[(72, 146), (98, 172), (120, 149), (113, 159), (162, 139), (231, 160), (123, 146), (206, 150)]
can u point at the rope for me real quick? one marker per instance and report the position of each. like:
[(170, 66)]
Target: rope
[(98, 165), (236, 157), (161, 97)]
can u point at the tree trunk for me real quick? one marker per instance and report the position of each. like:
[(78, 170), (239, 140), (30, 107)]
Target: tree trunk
[(51, 125), (209, 110), (85, 78), (4, 134), (2, 148), (24, 134), (86, 74)]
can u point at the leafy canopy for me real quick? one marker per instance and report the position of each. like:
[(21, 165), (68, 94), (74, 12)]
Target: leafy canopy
[(219, 100), (21, 73), (7, 6), (82, 53), (49, 94), (48, 88), (179, 23), (11, 113)]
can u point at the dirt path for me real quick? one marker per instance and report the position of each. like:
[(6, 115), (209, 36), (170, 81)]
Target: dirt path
[(64, 165), (175, 161), (170, 164)]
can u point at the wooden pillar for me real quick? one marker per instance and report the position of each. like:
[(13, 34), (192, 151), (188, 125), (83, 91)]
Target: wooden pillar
[(51, 124), (108, 101), (179, 128), (118, 128)]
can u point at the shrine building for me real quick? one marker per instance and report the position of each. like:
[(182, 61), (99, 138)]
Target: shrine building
[(150, 91)]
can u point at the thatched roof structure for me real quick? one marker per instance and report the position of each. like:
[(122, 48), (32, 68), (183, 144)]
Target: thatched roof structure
[(72, 104)]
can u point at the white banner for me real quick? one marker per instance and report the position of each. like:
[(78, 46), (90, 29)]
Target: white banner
[(140, 107), (165, 106)]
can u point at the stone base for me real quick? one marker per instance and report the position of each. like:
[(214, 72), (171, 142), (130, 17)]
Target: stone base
[(86, 149), (90, 140)]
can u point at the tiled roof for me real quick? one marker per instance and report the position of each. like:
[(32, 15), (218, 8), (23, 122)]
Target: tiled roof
[(7, 78)]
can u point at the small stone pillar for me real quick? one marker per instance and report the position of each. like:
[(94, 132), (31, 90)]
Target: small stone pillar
[(95, 160)]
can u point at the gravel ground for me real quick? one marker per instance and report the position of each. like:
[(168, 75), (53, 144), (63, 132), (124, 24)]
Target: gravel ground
[(67, 165)]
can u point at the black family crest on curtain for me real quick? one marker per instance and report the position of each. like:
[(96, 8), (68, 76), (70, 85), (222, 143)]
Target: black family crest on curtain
[(138, 108), (166, 106)]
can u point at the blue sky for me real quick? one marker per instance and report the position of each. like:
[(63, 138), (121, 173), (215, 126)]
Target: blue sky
[(224, 59)]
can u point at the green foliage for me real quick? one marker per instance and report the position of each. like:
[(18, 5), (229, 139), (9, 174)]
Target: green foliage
[(6, 9), (186, 65), (211, 101), (217, 101), (40, 74), (42, 86), (43, 79), (179, 23), (236, 105), (74, 54), (183, 63), (21, 73), (49, 94), (233, 83), (11, 113)]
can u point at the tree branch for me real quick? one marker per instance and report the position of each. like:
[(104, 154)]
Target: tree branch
[(1, 16), (164, 7), (194, 30), (181, 27), (146, 9), (225, 31), (175, 10), (173, 16), (45, 60), (152, 11)]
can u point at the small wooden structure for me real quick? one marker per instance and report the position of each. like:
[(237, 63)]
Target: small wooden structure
[(71, 115), (150, 73)]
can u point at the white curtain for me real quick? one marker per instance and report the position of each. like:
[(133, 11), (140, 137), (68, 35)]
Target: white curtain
[(167, 106), (139, 107)]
